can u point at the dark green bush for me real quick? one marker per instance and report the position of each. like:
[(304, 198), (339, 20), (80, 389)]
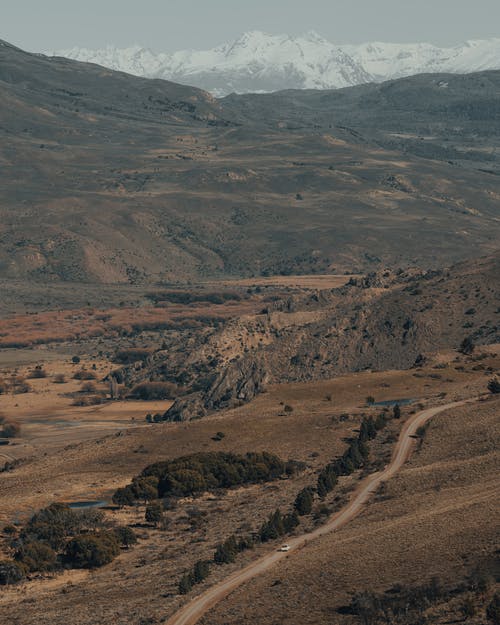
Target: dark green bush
[(10, 572), (191, 475), (36, 556), (88, 551), (154, 391)]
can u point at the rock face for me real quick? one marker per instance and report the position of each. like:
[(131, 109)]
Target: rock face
[(186, 408), (240, 382), (379, 322), (237, 384)]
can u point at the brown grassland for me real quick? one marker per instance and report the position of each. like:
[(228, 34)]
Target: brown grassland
[(142, 582)]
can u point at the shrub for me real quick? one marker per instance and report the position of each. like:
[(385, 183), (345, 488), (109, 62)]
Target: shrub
[(154, 513), (83, 374), (20, 387), (131, 355), (36, 556), (37, 373), (304, 501), (75, 360), (467, 346), (124, 497), (59, 378), (10, 572), (201, 571), (125, 536), (149, 391), (88, 387), (186, 584), (10, 429), (197, 473), (88, 551), (52, 525), (492, 611), (226, 552), (273, 527), (494, 386)]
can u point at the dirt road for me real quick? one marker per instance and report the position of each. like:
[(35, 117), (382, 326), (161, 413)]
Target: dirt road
[(199, 606)]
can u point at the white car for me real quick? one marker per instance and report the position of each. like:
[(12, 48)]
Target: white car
[(284, 548)]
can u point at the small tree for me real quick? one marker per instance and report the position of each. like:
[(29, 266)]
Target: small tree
[(125, 536), (467, 346), (396, 412), (10, 572), (493, 610), (304, 501), (89, 551), (469, 607), (186, 584), (124, 497), (36, 556), (145, 488), (201, 571), (154, 513)]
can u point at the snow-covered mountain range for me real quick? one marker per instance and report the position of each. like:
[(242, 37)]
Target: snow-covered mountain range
[(258, 62)]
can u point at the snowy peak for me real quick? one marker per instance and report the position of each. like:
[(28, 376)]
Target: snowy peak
[(260, 62)]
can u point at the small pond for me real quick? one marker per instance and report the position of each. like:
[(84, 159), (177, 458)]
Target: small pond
[(389, 403), (85, 505)]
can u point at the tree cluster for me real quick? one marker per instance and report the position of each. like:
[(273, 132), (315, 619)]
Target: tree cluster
[(201, 472), (58, 536)]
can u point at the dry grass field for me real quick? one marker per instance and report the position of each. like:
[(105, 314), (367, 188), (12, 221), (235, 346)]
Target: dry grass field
[(438, 517), (141, 585)]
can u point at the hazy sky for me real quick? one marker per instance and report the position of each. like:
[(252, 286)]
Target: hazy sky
[(169, 25)]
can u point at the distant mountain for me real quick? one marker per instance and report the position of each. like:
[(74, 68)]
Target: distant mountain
[(258, 62)]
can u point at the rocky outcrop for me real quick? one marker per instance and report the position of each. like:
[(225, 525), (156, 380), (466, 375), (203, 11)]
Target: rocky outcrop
[(186, 408), (240, 382), (237, 384)]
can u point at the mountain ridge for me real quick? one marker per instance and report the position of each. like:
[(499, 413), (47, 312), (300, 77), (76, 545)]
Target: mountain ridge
[(258, 62)]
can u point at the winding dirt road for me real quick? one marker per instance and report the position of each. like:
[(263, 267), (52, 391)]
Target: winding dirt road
[(199, 606)]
